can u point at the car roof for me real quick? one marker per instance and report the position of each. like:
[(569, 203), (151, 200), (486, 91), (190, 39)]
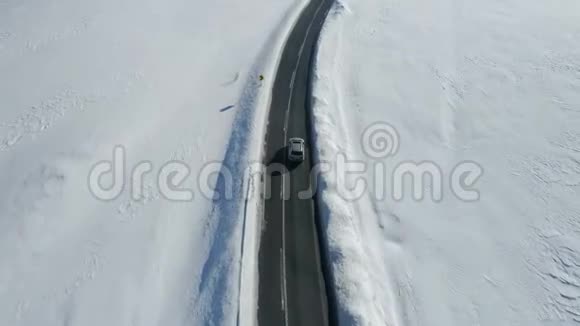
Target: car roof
[(296, 140), (296, 147)]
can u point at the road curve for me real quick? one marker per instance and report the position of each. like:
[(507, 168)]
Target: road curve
[(291, 283)]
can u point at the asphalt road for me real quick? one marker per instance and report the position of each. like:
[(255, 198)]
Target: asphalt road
[(291, 283)]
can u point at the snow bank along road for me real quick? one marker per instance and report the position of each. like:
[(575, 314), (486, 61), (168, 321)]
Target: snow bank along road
[(496, 82), (167, 80), (292, 289)]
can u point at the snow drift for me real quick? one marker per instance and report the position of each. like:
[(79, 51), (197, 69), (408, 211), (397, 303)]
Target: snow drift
[(172, 80), (493, 82)]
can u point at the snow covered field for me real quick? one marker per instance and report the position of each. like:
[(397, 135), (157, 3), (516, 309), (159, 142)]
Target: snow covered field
[(167, 80), (494, 82)]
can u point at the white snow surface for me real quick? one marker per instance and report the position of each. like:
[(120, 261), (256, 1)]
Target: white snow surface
[(167, 80), (490, 81)]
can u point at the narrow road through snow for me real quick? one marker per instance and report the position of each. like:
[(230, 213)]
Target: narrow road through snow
[(292, 289)]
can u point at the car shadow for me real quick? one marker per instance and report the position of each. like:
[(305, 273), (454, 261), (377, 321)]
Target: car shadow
[(279, 163)]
